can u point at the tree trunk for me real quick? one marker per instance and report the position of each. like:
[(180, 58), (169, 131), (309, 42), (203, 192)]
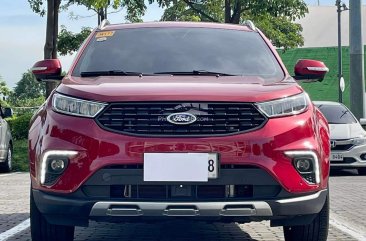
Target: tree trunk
[(50, 47), (227, 11), (236, 13)]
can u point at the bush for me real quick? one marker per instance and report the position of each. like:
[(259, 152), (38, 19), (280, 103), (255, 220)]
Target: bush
[(19, 126), (20, 156)]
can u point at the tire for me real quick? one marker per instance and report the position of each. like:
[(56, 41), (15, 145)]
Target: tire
[(41, 230), (362, 171), (6, 166), (317, 230)]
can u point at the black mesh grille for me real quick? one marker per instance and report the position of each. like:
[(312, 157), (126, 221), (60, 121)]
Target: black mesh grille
[(180, 192), (150, 119), (342, 147), (50, 178)]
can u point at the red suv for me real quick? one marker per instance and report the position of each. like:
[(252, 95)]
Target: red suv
[(159, 121)]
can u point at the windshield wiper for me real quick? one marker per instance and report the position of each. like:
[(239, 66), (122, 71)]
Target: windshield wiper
[(195, 72), (109, 73), (343, 113)]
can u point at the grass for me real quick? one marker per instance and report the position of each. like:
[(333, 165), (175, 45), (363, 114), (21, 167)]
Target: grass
[(20, 156), (328, 88)]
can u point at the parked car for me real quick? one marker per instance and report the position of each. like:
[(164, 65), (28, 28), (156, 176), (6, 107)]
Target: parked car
[(6, 141), (347, 137), (158, 121)]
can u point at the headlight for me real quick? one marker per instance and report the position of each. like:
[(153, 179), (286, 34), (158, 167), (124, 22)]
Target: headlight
[(73, 106), (286, 106), (359, 141)]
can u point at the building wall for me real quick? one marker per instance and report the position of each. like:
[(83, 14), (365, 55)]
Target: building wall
[(320, 26)]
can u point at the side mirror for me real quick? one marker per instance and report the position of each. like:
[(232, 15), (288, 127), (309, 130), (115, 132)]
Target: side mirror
[(8, 112), (47, 70), (310, 70), (363, 122)]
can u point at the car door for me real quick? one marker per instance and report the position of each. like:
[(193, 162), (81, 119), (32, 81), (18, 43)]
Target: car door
[(2, 131)]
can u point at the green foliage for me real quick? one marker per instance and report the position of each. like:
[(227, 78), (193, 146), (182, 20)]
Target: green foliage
[(275, 18), (20, 155), (28, 91), (69, 42), (280, 31), (37, 7), (180, 11), (4, 92), (19, 126), (4, 89), (135, 9)]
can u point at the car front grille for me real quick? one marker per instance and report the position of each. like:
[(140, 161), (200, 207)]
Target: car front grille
[(151, 119), (342, 147), (191, 192)]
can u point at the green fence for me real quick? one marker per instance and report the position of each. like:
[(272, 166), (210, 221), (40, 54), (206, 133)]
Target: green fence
[(328, 88)]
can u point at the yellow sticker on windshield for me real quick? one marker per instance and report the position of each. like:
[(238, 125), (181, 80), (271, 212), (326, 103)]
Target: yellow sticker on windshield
[(104, 34)]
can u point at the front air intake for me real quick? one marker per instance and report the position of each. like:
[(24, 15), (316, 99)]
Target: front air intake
[(192, 119)]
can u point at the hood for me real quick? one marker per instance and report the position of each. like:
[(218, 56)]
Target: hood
[(165, 88), (346, 131)]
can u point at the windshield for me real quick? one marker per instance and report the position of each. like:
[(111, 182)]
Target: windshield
[(337, 114), (180, 50)]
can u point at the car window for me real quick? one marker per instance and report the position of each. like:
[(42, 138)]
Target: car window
[(337, 114), (153, 50)]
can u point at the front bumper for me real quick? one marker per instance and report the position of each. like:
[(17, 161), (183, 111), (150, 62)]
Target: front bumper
[(263, 148), (351, 158), (240, 194), (3, 155), (63, 210)]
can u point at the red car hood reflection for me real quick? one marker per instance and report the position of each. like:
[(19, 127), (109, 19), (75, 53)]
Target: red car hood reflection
[(165, 88)]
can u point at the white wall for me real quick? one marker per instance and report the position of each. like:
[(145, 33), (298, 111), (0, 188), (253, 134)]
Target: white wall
[(320, 26)]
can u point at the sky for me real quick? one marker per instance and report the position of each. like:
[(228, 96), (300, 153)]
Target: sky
[(23, 33)]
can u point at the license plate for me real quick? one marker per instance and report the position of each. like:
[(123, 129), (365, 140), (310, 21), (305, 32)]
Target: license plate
[(180, 167), (336, 157)]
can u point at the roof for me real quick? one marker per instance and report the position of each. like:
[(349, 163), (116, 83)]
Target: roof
[(177, 24)]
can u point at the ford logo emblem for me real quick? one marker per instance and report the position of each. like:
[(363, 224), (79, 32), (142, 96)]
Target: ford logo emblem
[(181, 118)]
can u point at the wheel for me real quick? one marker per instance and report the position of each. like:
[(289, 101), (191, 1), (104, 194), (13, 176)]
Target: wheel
[(362, 171), (6, 165), (41, 230), (317, 230)]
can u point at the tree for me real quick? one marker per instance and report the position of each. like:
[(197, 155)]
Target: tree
[(50, 47), (135, 9), (28, 88), (4, 89), (69, 42), (275, 18)]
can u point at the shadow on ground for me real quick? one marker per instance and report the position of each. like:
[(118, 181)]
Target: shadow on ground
[(169, 231), (343, 172)]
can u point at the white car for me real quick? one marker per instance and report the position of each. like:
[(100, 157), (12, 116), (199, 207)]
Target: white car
[(6, 140), (348, 138)]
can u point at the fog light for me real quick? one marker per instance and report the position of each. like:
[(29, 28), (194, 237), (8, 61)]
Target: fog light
[(306, 163), (363, 156), (57, 165), (303, 165), (53, 164)]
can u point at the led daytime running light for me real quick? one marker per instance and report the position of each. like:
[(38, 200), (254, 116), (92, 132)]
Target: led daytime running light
[(292, 105), (72, 106)]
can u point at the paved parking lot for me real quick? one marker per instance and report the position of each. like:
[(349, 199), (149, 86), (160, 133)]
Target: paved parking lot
[(348, 218)]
